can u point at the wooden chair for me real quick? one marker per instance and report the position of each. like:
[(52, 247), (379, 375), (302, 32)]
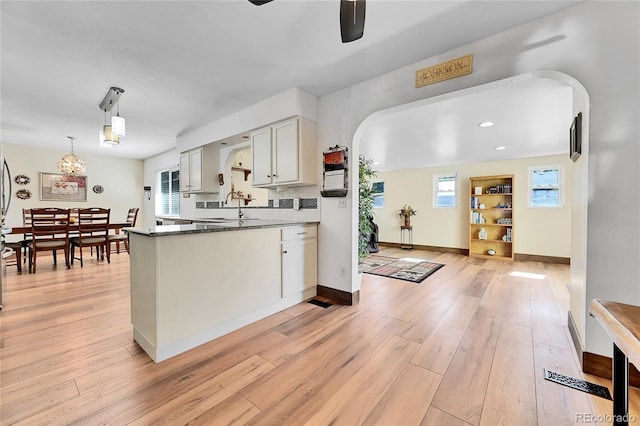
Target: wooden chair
[(123, 237), (49, 232), (20, 248), (93, 231)]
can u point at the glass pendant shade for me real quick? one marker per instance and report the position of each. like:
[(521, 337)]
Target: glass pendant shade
[(109, 136), (118, 125), (71, 164)]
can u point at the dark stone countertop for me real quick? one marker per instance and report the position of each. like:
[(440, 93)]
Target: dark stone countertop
[(204, 226)]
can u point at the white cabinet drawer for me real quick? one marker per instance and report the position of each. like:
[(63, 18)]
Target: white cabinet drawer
[(299, 232)]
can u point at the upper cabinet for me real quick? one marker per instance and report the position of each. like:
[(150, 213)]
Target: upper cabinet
[(285, 154), (199, 170)]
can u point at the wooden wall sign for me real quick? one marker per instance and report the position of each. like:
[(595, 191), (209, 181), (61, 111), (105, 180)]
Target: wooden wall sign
[(444, 71)]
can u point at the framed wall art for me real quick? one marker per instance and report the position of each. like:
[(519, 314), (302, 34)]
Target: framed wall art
[(59, 187)]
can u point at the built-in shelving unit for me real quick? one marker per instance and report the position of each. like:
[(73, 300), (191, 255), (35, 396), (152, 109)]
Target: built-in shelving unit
[(491, 222)]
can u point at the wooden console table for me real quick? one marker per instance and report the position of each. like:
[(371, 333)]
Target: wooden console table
[(622, 323)]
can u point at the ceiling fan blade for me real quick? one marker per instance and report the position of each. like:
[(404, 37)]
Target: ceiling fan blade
[(351, 19), (260, 2)]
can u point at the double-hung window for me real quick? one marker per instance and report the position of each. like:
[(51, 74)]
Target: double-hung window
[(444, 190), (169, 185), (546, 186)]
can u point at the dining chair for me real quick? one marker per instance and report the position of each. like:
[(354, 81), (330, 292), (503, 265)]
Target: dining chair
[(93, 230), (49, 232), (123, 237)]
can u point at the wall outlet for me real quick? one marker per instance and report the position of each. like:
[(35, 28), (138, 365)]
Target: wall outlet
[(296, 203), (343, 272), (342, 203)]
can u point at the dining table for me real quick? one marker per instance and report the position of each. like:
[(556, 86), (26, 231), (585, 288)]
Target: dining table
[(73, 227)]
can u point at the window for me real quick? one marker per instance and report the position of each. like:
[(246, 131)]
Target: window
[(545, 186), (378, 194), (169, 193), (444, 190)]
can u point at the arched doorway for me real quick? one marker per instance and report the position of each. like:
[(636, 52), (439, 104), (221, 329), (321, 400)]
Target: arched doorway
[(577, 101)]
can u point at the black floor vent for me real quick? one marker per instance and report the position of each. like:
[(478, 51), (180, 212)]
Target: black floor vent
[(578, 384), (320, 303)]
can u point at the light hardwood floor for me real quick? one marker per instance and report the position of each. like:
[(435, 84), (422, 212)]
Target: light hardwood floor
[(466, 346)]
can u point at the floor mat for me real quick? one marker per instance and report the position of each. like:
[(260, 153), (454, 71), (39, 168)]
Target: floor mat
[(406, 268)]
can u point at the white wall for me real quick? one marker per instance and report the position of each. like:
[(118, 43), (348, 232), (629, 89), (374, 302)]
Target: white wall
[(597, 43), (166, 160), (121, 178), (537, 231)]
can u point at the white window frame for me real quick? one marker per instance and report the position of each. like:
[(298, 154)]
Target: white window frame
[(379, 194), (158, 206), (436, 188), (560, 186)]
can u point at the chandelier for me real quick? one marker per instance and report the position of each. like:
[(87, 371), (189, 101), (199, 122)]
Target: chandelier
[(71, 164), (115, 129)]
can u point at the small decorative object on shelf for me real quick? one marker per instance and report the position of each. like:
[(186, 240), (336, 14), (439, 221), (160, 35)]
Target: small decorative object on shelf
[(491, 252), (482, 234)]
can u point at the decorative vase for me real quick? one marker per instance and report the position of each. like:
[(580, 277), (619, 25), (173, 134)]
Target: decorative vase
[(407, 221), (482, 235)]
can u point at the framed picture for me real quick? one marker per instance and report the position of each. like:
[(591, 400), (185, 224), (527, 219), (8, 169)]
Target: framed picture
[(59, 187), (575, 138)]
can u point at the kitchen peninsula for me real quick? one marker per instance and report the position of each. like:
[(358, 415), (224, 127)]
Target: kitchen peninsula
[(193, 283)]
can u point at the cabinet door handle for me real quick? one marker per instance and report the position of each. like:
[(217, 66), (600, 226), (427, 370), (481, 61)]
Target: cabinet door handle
[(275, 176), (284, 252), (268, 176), (302, 233)]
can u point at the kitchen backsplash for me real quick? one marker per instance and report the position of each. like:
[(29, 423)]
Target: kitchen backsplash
[(277, 209)]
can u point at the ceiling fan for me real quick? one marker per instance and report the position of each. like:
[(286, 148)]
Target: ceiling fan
[(351, 18)]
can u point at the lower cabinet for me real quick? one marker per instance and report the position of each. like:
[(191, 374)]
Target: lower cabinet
[(299, 259)]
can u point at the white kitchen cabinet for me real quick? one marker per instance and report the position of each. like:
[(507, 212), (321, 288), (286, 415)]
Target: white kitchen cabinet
[(199, 170), (299, 259), (285, 154)]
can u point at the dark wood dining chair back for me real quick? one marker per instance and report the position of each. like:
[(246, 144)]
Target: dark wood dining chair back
[(132, 216), (49, 232), (123, 237), (93, 231)]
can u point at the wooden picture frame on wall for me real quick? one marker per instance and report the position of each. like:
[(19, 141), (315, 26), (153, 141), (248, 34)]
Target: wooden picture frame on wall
[(575, 138), (59, 187)]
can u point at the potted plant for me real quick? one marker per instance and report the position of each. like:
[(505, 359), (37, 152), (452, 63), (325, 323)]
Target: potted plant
[(406, 212), (365, 205)]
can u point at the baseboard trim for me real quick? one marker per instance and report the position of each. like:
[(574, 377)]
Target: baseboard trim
[(575, 336), (538, 258), (598, 365), (339, 296), (464, 252)]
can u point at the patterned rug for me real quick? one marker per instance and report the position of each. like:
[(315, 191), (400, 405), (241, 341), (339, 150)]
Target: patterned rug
[(408, 269)]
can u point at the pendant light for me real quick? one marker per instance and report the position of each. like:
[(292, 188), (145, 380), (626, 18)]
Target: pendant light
[(118, 124), (107, 137), (114, 129), (71, 164)]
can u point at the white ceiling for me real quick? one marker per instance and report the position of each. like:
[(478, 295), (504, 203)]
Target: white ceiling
[(186, 63), (531, 118)]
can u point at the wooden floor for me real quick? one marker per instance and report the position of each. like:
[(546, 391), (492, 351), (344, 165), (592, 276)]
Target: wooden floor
[(466, 346)]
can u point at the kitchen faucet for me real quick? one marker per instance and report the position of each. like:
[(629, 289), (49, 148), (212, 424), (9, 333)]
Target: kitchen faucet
[(226, 201)]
